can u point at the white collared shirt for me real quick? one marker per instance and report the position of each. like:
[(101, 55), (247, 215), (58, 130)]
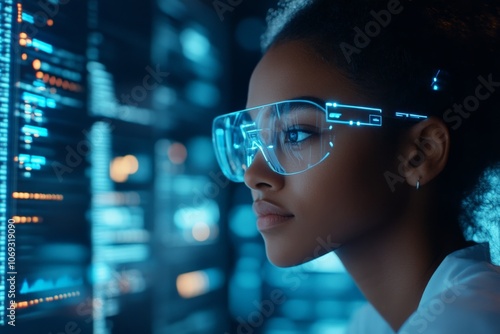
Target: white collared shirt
[(462, 297)]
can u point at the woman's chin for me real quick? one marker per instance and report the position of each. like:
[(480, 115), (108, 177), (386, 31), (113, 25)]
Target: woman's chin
[(285, 259)]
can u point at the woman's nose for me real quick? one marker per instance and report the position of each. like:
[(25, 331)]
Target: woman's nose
[(260, 176)]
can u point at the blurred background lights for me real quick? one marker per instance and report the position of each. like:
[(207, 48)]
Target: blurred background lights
[(177, 153), (242, 222), (197, 283), (248, 280), (201, 231), (122, 167), (201, 153), (328, 263), (198, 222), (298, 309), (195, 45), (192, 284), (164, 97), (186, 217), (202, 93), (328, 327), (37, 64)]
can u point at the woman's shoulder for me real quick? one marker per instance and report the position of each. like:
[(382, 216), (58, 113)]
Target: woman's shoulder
[(463, 296)]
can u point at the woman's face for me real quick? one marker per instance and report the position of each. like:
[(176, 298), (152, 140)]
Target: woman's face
[(341, 199)]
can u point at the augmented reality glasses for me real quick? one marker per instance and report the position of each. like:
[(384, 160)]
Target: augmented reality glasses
[(293, 136)]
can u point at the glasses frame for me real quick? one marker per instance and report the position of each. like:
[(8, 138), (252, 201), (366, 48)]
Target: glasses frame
[(333, 114)]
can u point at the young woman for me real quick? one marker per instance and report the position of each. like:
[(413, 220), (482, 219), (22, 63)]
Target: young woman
[(372, 128)]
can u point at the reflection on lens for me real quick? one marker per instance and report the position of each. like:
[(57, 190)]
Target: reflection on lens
[(293, 136)]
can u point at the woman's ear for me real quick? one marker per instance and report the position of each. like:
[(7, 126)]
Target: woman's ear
[(425, 151)]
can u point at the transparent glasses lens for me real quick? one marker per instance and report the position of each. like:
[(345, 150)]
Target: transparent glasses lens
[(292, 136)]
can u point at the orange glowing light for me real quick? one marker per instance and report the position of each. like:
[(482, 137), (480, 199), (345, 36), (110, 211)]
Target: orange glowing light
[(132, 163), (24, 56), (38, 196), (37, 64), (22, 42), (39, 75), (19, 13), (177, 153), (22, 305), (23, 35), (122, 167), (192, 284), (50, 22)]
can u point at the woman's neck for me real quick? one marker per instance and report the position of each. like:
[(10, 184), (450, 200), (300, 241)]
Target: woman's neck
[(393, 265)]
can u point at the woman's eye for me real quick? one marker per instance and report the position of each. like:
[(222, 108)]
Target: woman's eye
[(295, 136)]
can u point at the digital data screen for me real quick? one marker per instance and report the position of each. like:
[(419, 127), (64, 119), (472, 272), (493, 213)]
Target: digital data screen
[(45, 194), (95, 234)]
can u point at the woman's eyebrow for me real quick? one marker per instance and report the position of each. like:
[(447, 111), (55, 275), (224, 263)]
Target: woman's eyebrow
[(314, 99)]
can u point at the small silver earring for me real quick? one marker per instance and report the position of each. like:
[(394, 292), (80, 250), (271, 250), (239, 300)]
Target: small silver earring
[(418, 184)]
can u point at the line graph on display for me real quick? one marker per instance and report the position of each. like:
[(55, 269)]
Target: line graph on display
[(41, 285)]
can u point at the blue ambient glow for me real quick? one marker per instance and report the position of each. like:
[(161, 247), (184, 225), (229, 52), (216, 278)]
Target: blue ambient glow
[(28, 18), (195, 45), (38, 44)]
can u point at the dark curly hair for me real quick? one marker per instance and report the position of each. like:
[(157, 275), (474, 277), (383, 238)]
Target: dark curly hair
[(391, 50)]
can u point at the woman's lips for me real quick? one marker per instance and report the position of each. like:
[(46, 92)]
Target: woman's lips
[(269, 215)]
